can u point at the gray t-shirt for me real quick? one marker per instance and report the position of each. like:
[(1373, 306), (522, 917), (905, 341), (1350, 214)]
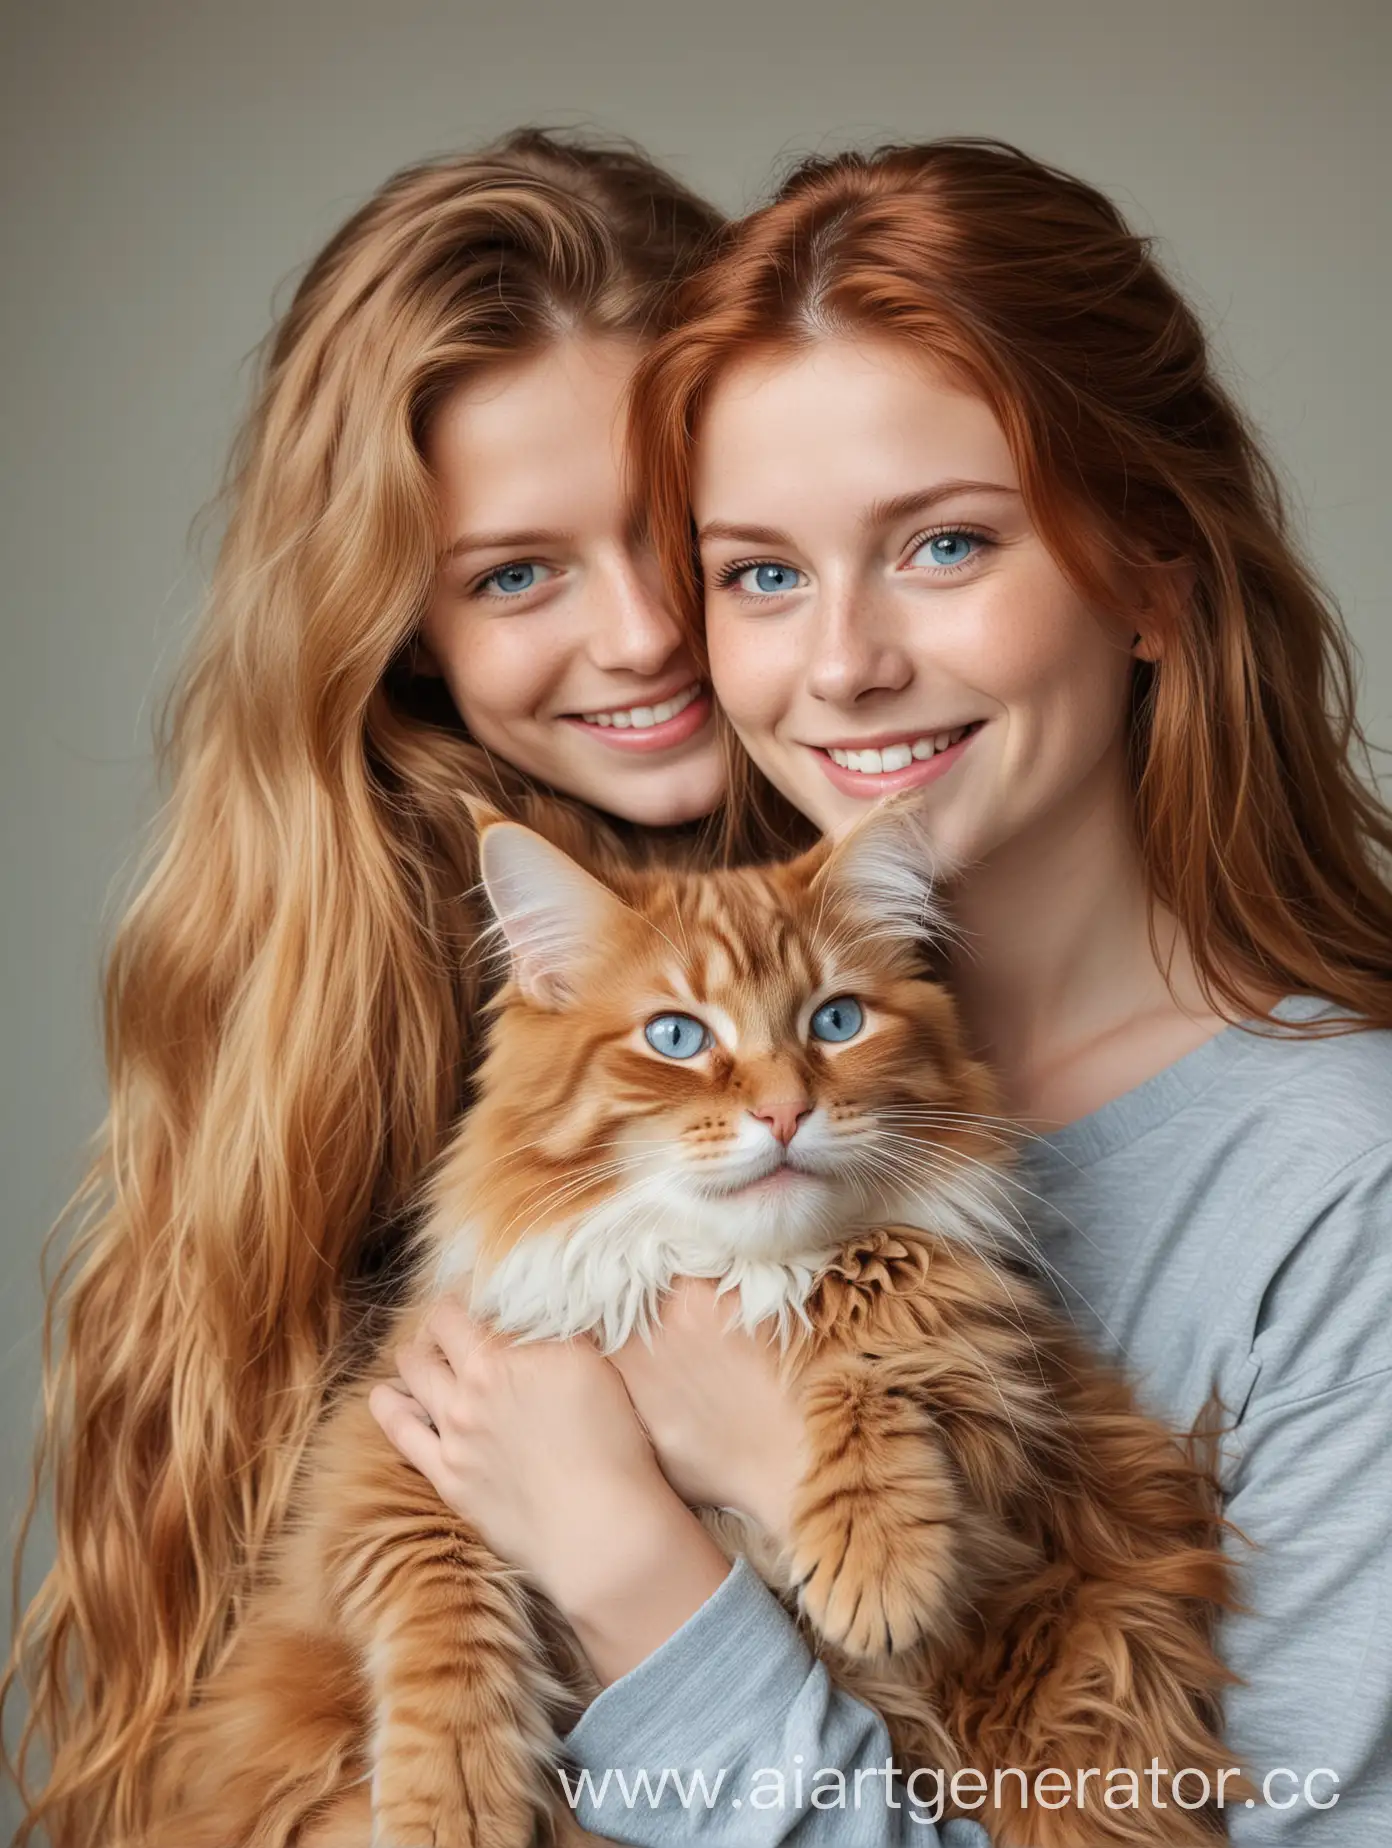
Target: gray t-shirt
[(1225, 1228)]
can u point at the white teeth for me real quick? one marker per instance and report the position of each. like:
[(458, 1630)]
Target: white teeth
[(642, 718), (896, 756)]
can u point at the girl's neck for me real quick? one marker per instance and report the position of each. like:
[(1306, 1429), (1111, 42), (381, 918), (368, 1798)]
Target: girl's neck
[(1058, 983)]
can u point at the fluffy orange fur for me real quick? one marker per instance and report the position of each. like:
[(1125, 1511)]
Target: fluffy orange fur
[(991, 1543)]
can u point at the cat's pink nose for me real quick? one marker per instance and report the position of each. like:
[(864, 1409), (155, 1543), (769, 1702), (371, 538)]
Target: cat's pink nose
[(782, 1119)]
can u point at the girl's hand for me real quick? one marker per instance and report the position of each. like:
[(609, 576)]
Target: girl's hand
[(727, 1430), (537, 1446)]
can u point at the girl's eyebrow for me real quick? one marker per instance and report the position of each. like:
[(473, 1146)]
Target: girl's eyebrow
[(744, 535), (919, 500), (878, 513), (502, 542)]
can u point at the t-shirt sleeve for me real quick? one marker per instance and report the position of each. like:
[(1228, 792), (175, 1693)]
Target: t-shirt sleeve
[(732, 1734), (1312, 1494)]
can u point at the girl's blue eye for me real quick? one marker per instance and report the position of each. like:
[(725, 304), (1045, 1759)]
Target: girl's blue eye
[(768, 580), (953, 548), (676, 1036), (840, 1019), (512, 580)]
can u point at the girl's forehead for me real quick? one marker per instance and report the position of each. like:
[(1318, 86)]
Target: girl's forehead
[(840, 428)]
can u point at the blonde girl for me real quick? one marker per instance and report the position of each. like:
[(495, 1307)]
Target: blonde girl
[(431, 585)]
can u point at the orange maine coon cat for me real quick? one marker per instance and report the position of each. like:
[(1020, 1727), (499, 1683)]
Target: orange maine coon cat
[(747, 1075)]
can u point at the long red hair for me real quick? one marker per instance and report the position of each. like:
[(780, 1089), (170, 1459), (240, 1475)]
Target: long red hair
[(1254, 798)]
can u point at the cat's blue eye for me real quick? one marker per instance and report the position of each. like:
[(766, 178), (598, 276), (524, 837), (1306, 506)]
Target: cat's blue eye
[(840, 1019), (766, 580), (512, 580), (947, 549), (676, 1036)]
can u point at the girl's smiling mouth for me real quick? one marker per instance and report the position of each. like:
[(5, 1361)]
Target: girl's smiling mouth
[(656, 726), (892, 761)]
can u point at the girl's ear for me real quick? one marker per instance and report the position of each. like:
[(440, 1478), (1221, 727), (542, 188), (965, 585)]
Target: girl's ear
[(552, 913), (1167, 587), (421, 660), (888, 869)]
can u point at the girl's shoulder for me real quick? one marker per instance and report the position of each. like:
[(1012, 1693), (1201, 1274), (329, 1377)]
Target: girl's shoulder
[(1310, 1083), (1317, 1070), (1231, 1219)]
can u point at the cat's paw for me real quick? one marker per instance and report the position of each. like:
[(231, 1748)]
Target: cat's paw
[(876, 1554), (870, 1593), (425, 1826), (437, 1812)]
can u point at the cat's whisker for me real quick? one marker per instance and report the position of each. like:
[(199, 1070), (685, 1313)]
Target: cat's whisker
[(549, 1196), (944, 1164), (519, 1153), (931, 1116), (681, 957), (1036, 1256), (1008, 1186), (928, 1175)]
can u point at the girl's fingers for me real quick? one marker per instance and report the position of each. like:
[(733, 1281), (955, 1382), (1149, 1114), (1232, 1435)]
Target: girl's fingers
[(403, 1422), (455, 1332), (413, 1404), (427, 1379)]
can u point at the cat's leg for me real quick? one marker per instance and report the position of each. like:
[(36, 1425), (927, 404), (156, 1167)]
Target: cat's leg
[(274, 1735), (916, 1385), (348, 1824), (460, 1695), (879, 1523), (462, 1734)]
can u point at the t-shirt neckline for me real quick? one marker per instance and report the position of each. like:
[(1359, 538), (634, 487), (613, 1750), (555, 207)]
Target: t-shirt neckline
[(1115, 1124)]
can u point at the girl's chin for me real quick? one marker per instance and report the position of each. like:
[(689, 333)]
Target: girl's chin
[(655, 797)]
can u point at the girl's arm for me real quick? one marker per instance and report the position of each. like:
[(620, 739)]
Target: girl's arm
[(730, 1733), (1311, 1491)]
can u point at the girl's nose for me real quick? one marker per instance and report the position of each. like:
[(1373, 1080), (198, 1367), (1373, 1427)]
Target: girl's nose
[(856, 652), (634, 631)]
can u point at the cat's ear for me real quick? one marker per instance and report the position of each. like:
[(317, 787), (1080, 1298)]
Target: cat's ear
[(887, 868), (551, 912)]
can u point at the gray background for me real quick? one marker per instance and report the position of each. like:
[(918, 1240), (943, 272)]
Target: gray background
[(167, 164)]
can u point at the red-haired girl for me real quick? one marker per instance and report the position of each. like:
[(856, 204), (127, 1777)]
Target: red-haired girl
[(939, 466)]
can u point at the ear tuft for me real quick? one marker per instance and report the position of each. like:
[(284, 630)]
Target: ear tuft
[(889, 869), (551, 912), (482, 812)]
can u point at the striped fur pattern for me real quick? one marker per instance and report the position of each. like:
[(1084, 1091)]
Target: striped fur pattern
[(991, 1544)]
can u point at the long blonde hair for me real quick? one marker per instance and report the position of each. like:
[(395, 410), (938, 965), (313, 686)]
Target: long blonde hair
[(289, 998)]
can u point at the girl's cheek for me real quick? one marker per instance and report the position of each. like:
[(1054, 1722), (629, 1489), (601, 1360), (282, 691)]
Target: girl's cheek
[(748, 672)]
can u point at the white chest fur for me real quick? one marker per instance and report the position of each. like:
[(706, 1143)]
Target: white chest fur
[(607, 1272)]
